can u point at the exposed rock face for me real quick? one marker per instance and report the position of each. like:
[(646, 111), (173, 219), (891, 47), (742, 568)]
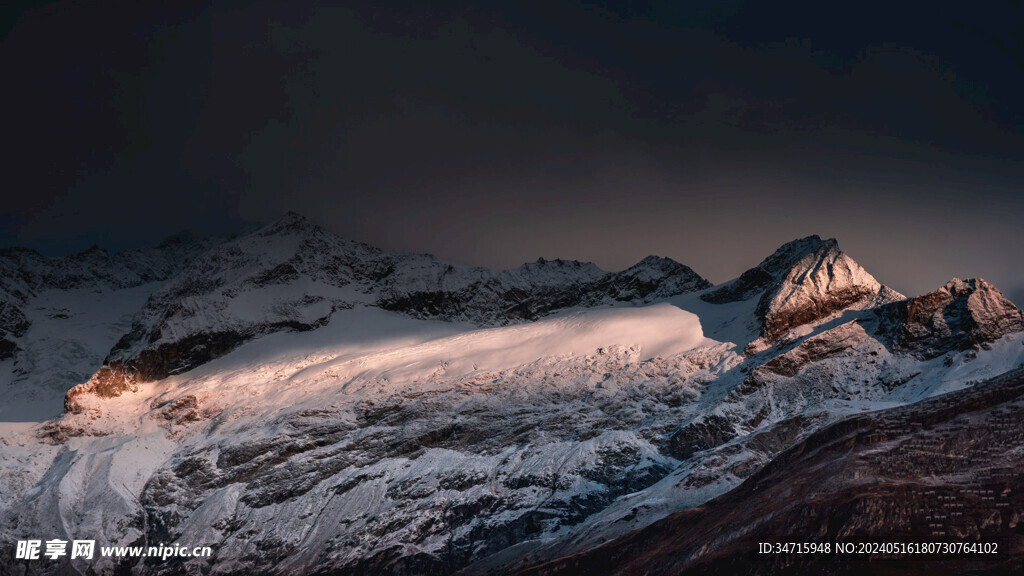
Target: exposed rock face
[(108, 382), (769, 272), (654, 278), (828, 344), (13, 324), (7, 348), (700, 434), (821, 283), (434, 289), (960, 315), (803, 281), (945, 470)]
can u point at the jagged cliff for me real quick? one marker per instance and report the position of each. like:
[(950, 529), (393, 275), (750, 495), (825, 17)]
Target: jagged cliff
[(961, 315)]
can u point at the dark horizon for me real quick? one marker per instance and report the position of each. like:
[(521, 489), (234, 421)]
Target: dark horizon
[(597, 131)]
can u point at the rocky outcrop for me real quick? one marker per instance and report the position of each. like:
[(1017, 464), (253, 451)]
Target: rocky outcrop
[(961, 315), (804, 281), (109, 381), (13, 325), (702, 433), (828, 344), (428, 288), (434, 289), (7, 347)]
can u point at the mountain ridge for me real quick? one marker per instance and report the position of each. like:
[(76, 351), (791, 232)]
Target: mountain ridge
[(310, 273), (264, 401)]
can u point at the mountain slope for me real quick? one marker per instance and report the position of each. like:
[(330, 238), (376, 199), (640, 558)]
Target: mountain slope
[(945, 470), (441, 450), (766, 403)]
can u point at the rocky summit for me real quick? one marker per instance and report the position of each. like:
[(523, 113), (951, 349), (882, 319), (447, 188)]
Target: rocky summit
[(802, 282), (962, 315), (306, 404)]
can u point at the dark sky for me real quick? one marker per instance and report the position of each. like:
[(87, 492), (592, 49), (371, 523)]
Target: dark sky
[(710, 132)]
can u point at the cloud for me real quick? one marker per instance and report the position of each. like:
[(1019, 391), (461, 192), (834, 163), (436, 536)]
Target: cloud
[(496, 135)]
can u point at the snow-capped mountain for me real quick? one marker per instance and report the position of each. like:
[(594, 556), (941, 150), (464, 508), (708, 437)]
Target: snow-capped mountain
[(294, 275), (802, 282), (307, 404)]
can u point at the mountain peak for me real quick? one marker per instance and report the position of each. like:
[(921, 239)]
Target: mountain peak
[(803, 281), (181, 237), (790, 253), (289, 223), (807, 242), (771, 270), (656, 277), (821, 282), (653, 261), (93, 253), (960, 315), (659, 266), (957, 287), (556, 263)]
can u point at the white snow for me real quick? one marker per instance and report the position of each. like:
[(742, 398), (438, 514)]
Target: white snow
[(71, 333), (658, 330)]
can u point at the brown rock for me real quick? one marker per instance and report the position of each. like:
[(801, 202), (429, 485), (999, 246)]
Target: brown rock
[(961, 315)]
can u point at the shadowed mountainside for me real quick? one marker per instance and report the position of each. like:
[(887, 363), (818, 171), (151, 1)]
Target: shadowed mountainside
[(948, 469)]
